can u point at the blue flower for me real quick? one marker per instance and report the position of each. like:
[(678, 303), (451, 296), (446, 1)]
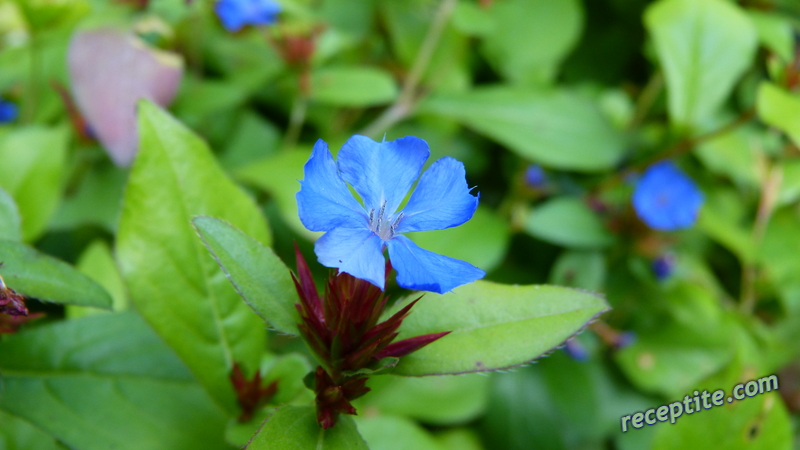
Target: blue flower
[(666, 199), (357, 232), (235, 14), (8, 111)]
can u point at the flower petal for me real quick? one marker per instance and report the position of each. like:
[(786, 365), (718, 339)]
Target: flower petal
[(324, 201), (382, 170), (423, 270), (441, 199), (357, 251)]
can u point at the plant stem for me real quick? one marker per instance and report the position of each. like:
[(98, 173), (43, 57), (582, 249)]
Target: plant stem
[(766, 205), (678, 149), (408, 97), (297, 118), (646, 99)]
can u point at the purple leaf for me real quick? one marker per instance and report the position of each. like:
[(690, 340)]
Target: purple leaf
[(111, 71)]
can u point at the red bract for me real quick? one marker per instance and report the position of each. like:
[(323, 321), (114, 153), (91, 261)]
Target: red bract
[(249, 393), (342, 330)]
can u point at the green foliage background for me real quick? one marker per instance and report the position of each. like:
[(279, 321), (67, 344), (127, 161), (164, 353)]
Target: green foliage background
[(591, 90)]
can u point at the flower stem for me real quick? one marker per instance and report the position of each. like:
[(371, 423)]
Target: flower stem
[(408, 97), (646, 99), (297, 118)]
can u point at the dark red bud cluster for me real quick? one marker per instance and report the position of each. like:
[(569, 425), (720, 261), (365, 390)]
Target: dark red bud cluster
[(343, 331), (13, 311), (249, 393), (11, 303)]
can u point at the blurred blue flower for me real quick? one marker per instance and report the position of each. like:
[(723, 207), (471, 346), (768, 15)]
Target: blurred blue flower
[(666, 199), (534, 176), (662, 266), (575, 349), (625, 339), (382, 175), (235, 14), (8, 111)]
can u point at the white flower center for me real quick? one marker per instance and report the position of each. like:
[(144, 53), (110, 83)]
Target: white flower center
[(384, 225)]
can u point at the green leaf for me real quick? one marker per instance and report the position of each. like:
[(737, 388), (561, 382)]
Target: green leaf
[(775, 33), (459, 439), (395, 433), (493, 326), (289, 370), (790, 187), (569, 222), (756, 423), (551, 128), (19, 434), (779, 109), (704, 47), (734, 154), (98, 263), (258, 275), (530, 38), (9, 218), (295, 427), (32, 161), (173, 281), (433, 400), (673, 359), (253, 139), (352, 86), (105, 382), (580, 269), (97, 200), (279, 174), (487, 252), (43, 277)]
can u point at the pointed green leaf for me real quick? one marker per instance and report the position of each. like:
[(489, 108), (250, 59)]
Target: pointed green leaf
[(493, 326), (256, 272), (552, 128), (173, 281), (296, 427), (106, 381), (704, 47), (43, 277)]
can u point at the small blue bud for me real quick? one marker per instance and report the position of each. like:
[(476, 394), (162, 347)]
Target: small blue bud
[(625, 339), (576, 350), (8, 111), (534, 176), (663, 266)]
